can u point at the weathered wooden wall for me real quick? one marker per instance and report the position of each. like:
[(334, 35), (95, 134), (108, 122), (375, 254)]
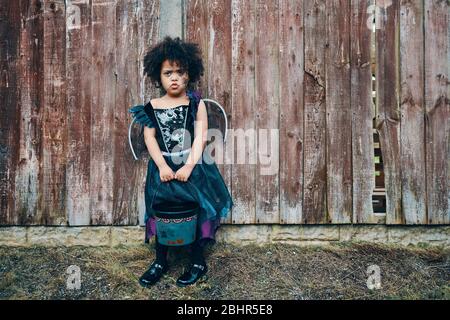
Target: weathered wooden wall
[(303, 67), (69, 72)]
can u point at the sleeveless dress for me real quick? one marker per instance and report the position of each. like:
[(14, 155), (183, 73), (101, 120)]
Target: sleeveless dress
[(205, 186)]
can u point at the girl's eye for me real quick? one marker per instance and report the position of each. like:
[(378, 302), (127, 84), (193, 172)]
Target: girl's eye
[(168, 73)]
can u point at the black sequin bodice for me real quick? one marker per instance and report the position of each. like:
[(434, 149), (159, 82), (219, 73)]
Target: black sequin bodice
[(172, 125)]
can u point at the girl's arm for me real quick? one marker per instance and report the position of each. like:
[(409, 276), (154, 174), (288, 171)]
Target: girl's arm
[(201, 136), (153, 147)]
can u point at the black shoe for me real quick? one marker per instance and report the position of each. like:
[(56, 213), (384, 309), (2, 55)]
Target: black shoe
[(191, 276), (153, 274)]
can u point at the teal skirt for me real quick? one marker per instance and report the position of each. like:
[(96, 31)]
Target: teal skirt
[(204, 186)]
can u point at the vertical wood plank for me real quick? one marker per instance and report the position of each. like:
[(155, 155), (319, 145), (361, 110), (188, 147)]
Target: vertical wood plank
[(102, 114), (291, 111), (315, 179), (79, 99), (148, 34), (437, 104), (31, 78), (338, 113), (388, 116), (149, 26), (243, 111), (412, 134), (219, 69), (52, 206), (197, 31), (267, 102), (9, 107), (362, 112), (127, 93)]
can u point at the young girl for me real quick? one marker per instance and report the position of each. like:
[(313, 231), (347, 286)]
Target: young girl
[(175, 134)]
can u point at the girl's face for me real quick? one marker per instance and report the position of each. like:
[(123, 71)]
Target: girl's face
[(173, 79)]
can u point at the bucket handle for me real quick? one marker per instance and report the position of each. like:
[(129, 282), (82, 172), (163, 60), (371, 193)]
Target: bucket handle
[(157, 189)]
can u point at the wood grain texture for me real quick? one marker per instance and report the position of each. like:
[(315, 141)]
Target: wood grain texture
[(127, 92), (10, 15), (149, 28), (102, 114), (52, 200), (338, 113), (148, 31), (267, 101), (243, 112), (315, 169), (219, 71), (31, 77), (79, 100), (291, 65), (388, 113), (437, 110), (362, 113), (303, 67), (412, 132), (197, 18)]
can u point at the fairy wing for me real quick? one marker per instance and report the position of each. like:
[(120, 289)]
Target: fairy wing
[(136, 139), (217, 121)]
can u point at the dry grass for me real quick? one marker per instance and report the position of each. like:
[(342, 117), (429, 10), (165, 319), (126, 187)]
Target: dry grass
[(248, 272)]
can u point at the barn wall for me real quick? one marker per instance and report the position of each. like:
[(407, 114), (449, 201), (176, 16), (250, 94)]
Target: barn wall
[(71, 69), (306, 68)]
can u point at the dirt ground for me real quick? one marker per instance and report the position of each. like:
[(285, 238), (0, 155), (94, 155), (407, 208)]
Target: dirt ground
[(235, 272)]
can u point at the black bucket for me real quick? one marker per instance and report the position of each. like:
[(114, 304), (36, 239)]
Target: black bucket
[(176, 223)]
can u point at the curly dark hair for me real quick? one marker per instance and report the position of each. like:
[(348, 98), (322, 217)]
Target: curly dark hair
[(187, 55)]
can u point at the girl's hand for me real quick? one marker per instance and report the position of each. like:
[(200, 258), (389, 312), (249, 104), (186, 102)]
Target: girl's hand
[(183, 173), (166, 174)]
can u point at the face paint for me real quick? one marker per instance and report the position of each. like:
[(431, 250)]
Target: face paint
[(173, 79)]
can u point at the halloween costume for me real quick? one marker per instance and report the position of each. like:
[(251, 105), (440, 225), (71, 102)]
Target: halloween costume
[(205, 186)]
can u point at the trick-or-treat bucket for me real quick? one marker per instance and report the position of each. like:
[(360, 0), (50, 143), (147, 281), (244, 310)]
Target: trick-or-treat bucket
[(176, 223)]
